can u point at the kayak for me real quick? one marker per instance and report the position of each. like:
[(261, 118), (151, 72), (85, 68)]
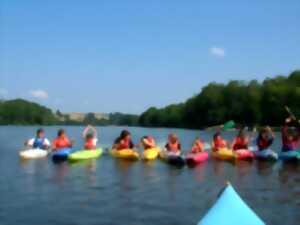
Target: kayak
[(223, 154), (151, 154), (171, 158), (289, 156), (61, 154), (33, 153), (267, 154), (129, 154), (244, 154), (196, 158), (85, 154), (230, 209)]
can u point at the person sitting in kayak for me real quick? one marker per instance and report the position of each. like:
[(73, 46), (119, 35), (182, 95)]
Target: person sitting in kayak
[(241, 141), (265, 138), (218, 142), (290, 138), (89, 134), (173, 144), (40, 141), (148, 142), (61, 141), (123, 141), (198, 146)]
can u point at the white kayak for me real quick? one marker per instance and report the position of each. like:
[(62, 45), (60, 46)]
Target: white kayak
[(33, 153)]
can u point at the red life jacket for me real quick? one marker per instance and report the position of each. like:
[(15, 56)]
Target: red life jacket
[(61, 142), (89, 144), (263, 143), (220, 143), (240, 143), (124, 144), (151, 140), (198, 147)]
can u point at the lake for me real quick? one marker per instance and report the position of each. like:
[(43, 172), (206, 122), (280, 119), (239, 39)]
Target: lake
[(113, 192)]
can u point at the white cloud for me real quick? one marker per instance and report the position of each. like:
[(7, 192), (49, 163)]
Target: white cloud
[(3, 92), (217, 51), (39, 94)]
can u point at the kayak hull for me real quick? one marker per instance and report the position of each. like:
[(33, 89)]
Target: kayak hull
[(194, 159), (224, 154), (174, 159), (244, 154), (62, 154), (151, 154), (228, 202), (85, 154), (128, 154), (33, 154), (267, 155), (290, 156)]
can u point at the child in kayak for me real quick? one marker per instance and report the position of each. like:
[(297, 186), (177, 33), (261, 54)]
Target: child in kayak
[(173, 144), (241, 141), (265, 138), (89, 134), (218, 142), (148, 142), (61, 141), (40, 141), (290, 139), (198, 146), (123, 141)]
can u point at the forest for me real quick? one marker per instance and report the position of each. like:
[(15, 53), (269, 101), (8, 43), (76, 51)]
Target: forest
[(247, 103)]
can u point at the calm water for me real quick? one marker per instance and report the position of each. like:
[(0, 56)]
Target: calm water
[(109, 191)]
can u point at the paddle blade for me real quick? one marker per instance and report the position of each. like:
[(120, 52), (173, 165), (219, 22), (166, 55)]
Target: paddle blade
[(229, 125)]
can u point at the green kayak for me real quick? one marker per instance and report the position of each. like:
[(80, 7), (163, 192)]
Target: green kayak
[(85, 154)]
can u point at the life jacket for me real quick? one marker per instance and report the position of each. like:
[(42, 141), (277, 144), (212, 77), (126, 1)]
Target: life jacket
[(289, 145), (220, 143), (90, 144), (263, 143), (38, 143), (173, 147), (240, 144), (60, 143), (197, 147), (124, 144), (146, 146)]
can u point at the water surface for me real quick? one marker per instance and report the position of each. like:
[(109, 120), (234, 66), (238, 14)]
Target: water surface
[(110, 191)]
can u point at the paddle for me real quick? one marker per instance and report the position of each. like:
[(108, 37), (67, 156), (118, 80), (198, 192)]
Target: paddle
[(292, 115), (226, 126)]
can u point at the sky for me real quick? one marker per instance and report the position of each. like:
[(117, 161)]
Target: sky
[(128, 55)]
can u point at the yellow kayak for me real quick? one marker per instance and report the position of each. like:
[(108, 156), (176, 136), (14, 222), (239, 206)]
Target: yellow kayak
[(125, 154), (224, 154), (151, 154)]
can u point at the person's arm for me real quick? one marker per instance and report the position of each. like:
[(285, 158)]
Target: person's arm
[(54, 145), (46, 143), (29, 142)]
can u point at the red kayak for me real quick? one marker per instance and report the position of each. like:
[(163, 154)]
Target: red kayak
[(196, 158), (244, 154)]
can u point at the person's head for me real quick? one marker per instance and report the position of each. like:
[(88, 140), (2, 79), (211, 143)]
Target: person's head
[(61, 133), (217, 136), (125, 135), (173, 138), (89, 136), (197, 139), (40, 133), (264, 132)]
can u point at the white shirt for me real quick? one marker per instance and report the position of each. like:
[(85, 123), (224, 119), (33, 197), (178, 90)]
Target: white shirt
[(46, 142)]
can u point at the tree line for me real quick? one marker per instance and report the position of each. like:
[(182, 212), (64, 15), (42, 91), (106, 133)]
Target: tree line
[(247, 103), (22, 112)]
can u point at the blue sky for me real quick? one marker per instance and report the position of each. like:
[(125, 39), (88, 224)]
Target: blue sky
[(107, 56)]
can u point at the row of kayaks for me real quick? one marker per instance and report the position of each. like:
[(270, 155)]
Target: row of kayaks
[(171, 158)]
